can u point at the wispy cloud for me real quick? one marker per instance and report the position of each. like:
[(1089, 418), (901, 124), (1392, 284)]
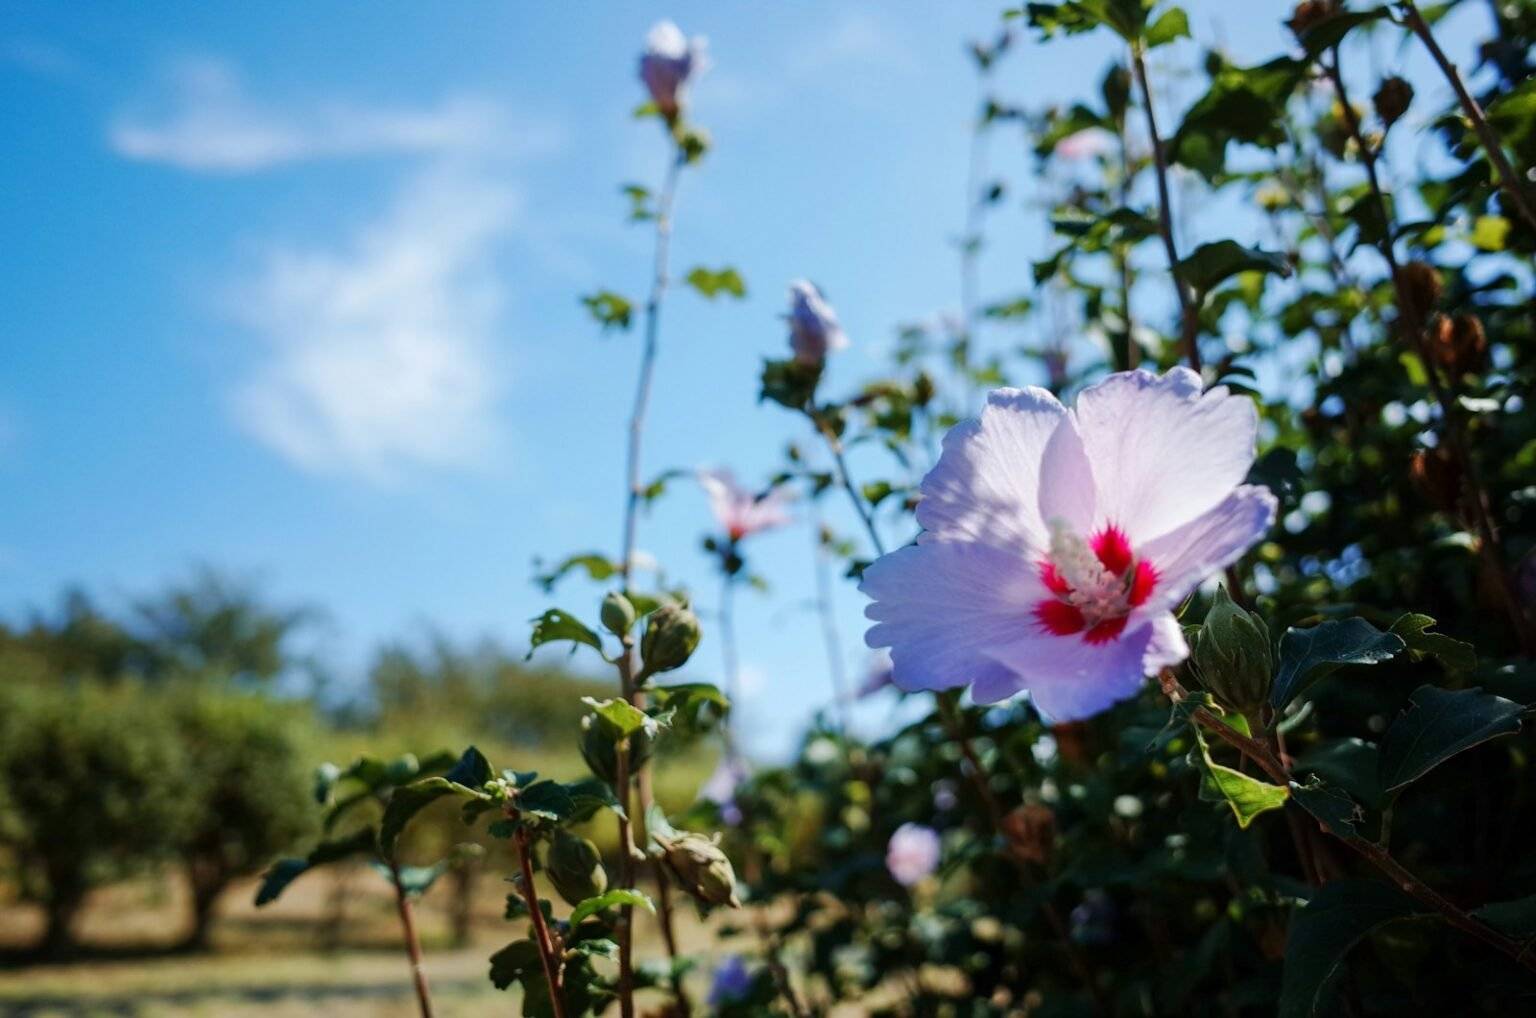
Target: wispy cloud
[(377, 354), (38, 57), (210, 122)]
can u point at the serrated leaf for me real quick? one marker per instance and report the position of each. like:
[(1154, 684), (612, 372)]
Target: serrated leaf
[(1247, 796), (556, 625), (1329, 806), (1338, 917), (1211, 264), (615, 898), (405, 802), (597, 567), (1439, 724), (546, 800), (710, 283), (590, 795), (1413, 629), (509, 964), (626, 718), (1307, 655), (609, 309), (1331, 31)]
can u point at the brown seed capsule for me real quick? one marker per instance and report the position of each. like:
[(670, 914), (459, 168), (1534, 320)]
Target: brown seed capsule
[(1311, 13), (1031, 832), (1458, 344), (1392, 99), (1437, 476), (700, 867), (1421, 288)]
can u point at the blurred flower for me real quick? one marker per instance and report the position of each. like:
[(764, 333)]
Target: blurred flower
[(670, 61), (720, 787), (945, 796), (731, 983), (879, 676), (1084, 144), (1058, 542), (912, 853), (741, 512), (1093, 920), (813, 327)]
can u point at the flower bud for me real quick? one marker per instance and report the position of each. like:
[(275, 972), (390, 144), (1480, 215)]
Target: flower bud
[(700, 867), (599, 742), (617, 614), (1392, 99), (671, 634), (1458, 344), (1437, 476), (1421, 288), (1309, 14), (670, 61), (813, 326), (1232, 655), (575, 867)]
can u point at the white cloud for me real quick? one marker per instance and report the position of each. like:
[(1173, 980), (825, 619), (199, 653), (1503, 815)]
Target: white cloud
[(213, 124), (377, 354), (855, 38)]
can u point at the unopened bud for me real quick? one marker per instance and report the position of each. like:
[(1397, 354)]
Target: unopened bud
[(1437, 475), (1421, 288), (701, 868), (617, 614), (671, 634), (1232, 655), (1392, 99), (1309, 14), (575, 867), (1459, 344), (599, 747)]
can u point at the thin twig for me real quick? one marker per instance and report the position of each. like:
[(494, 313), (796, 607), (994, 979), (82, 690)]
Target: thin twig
[(412, 942), (835, 445), (548, 955), (1189, 317), (829, 633), (1413, 327), (1508, 178)]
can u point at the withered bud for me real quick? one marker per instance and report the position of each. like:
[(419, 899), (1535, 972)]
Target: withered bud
[(1309, 14), (1031, 833), (1421, 288), (1392, 99), (700, 867), (1437, 475), (1460, 345)]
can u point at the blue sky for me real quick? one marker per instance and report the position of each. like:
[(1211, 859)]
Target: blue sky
[(291, 289)]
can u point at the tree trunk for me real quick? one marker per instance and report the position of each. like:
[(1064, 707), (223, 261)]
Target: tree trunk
[(65, 897), (463, 906), (208, 879)]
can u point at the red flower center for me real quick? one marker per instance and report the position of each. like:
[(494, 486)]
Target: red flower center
[(1095, 584)]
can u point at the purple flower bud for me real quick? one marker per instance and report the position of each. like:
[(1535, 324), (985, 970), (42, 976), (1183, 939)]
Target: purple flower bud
[(670, 61), (912, 853), (732, 982), (813, 325)]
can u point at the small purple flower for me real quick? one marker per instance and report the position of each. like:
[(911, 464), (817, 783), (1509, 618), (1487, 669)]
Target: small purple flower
[(813, 327), (912, 853), (720, 787), (731, 983), (740, 512), (670, 61), (1057, 542)]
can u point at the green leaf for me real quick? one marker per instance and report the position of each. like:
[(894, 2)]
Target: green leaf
[(1439, 724), (611, 310), (414, 880), (598, 568), (1331, 807), (546, 800), (615, 898), (1489, 233), (1339, 916), (1173, 24), (1248, 797), (409, 800), (1210, 264), (1512, 918), (472, 771), (556, 625), (789, 383), (1331, 31), (509, 964), (1351, 764), (590, 795), (1413, 629), (712, 282), (283, 872), (626, 718), (1307, 655), (1243, 104)]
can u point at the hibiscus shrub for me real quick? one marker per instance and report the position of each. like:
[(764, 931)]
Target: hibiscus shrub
[(1218, 637)]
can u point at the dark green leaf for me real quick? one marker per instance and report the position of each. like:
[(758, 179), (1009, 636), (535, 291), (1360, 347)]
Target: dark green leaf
[(408, 800), (1210, 264), (598, 568), (1331, 807), (1322, 934), (285, 871), (1439, 724), (509, 964), (1329, 32), (590, 795), (546, 800), (1307, 655), (1455, 656), (1512, 918)]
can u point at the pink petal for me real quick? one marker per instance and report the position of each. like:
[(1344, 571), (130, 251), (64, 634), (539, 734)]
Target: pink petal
[(1162, 452), (939, 605), (1069, 679), (1209, 543), (1068, 491), (985, 486)]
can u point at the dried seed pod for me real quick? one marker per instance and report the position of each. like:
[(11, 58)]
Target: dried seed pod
[(1392, 99)]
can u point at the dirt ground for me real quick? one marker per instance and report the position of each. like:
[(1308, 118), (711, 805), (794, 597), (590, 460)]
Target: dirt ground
[(292, 958)]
